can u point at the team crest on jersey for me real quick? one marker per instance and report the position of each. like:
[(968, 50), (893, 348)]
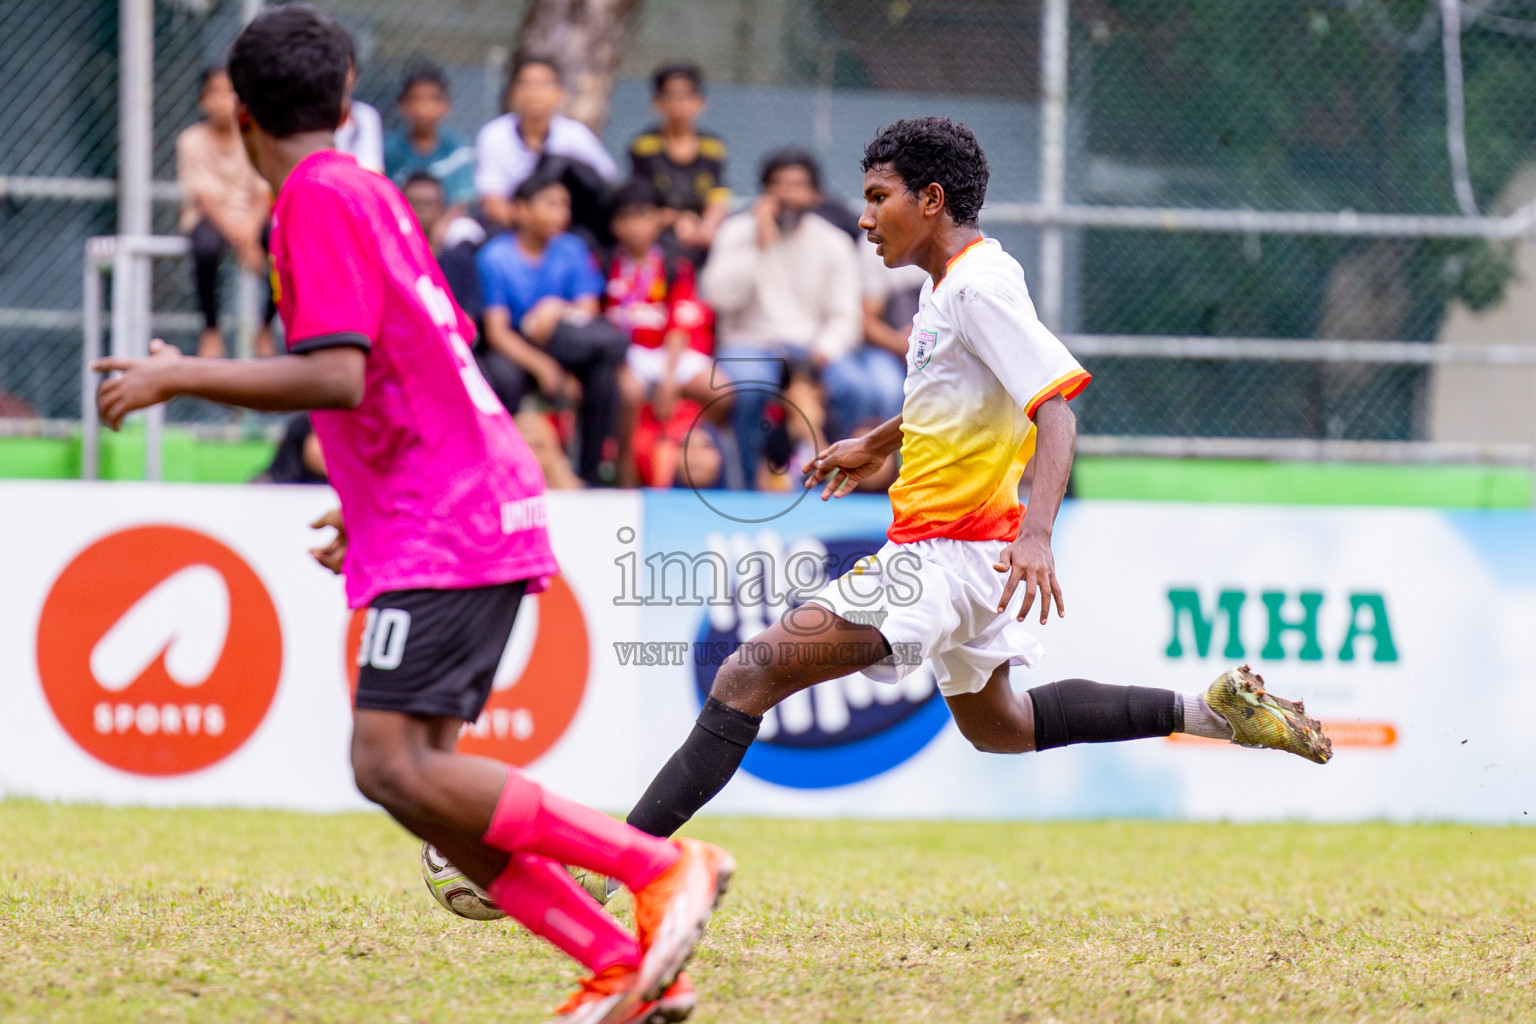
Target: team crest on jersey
[(923, 348)]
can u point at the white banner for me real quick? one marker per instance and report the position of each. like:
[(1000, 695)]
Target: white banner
[(174, 644)]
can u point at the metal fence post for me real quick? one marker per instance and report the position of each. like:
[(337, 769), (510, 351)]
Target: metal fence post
[(130, 320), (1053, 158), (248, 296), (90, 348), (1531, 237)]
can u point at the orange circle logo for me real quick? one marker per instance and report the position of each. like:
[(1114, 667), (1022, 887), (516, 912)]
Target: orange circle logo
[(539, 684), (159, 650)]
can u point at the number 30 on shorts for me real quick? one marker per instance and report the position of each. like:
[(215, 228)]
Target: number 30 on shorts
[(383, 641)]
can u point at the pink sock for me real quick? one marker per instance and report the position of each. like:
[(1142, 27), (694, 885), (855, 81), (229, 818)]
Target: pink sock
[(529, 818), (539, 893)]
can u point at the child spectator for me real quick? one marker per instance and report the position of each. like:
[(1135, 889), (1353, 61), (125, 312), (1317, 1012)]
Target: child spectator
[(798, 428), (456, 241), (455, 238), (298, 458), (686, 166), (424, 146), (224, 206), (541, 288), (508, 149), (652, 298)]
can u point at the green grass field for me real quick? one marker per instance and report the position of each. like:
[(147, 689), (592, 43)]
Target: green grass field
[(145, 915)]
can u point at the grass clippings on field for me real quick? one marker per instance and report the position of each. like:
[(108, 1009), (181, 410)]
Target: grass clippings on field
[(198, 915)]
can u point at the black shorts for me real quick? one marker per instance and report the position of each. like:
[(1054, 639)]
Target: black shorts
[(435, 652)]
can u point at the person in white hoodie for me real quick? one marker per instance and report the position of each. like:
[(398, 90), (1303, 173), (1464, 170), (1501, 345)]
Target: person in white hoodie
[(784, 284)]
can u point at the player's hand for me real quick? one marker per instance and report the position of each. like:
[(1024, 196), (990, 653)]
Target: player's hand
[(540, 323), (689, 229), (1029, 559), (842, 465), (664, 402), (550, 376), (139, 382), (332, 555)]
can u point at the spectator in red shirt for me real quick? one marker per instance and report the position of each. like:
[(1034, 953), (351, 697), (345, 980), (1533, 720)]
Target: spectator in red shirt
[(668, 376)]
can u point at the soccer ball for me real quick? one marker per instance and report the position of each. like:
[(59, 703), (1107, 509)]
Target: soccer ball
[(452, 890)]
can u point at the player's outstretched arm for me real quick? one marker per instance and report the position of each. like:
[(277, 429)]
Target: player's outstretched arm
[(1029, 557), (326, 378), (848, 461)]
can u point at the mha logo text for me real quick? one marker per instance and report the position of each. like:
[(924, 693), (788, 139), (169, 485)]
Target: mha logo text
[(1288, 622)]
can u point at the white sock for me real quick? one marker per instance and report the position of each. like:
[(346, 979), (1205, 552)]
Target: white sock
[(1201, 720)]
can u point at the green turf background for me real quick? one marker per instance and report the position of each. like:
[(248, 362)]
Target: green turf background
[(189, 460)]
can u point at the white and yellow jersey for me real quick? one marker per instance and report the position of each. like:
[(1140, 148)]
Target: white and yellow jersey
[(979, 363)]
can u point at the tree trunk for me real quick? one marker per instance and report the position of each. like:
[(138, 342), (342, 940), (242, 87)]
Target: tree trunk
[(1367, 297), (583, 37)]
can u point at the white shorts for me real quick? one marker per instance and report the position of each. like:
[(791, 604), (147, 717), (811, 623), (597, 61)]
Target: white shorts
[(937, 599), (650, 364)]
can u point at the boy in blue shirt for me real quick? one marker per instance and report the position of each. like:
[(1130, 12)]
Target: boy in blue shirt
[(541, 287)]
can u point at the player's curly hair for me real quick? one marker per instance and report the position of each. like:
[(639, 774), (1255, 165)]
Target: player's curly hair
[(926, 150), (289, 68)]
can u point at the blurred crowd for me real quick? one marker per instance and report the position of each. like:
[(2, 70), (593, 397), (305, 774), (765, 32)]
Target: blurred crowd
[(644, 326)]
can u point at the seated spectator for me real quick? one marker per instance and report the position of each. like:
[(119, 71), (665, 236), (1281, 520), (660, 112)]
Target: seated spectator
[(224, 206), (541, 289), (456, 243), (424, 146), (686, 166), (870, 384), (16, 406), (591, 198), (298, 459), (508, 148), (784, 283), (455, 238), (651, 298), (362, 133), (797, 432)]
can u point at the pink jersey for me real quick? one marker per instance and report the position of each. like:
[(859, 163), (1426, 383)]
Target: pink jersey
[(438, 489)]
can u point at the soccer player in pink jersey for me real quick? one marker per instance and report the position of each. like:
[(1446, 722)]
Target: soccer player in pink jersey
[(445, 530)]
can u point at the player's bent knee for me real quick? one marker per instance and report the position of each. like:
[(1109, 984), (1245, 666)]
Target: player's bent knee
[(387, 778), (998, 741)]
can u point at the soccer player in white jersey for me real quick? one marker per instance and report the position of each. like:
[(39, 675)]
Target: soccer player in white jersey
[(987, 390)]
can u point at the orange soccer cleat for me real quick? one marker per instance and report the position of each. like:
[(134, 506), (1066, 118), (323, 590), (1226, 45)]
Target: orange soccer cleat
[(671, 912)]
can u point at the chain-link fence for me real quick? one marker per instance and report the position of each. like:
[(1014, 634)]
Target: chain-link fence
[(1379, 107)]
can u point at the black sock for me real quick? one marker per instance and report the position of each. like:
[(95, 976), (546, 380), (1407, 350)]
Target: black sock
[(1081, 711), (700, 769)]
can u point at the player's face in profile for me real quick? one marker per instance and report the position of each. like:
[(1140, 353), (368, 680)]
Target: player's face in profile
[(893, 217)]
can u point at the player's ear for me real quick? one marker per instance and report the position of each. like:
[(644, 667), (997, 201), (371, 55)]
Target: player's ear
[(932, 199), (346, 110)]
